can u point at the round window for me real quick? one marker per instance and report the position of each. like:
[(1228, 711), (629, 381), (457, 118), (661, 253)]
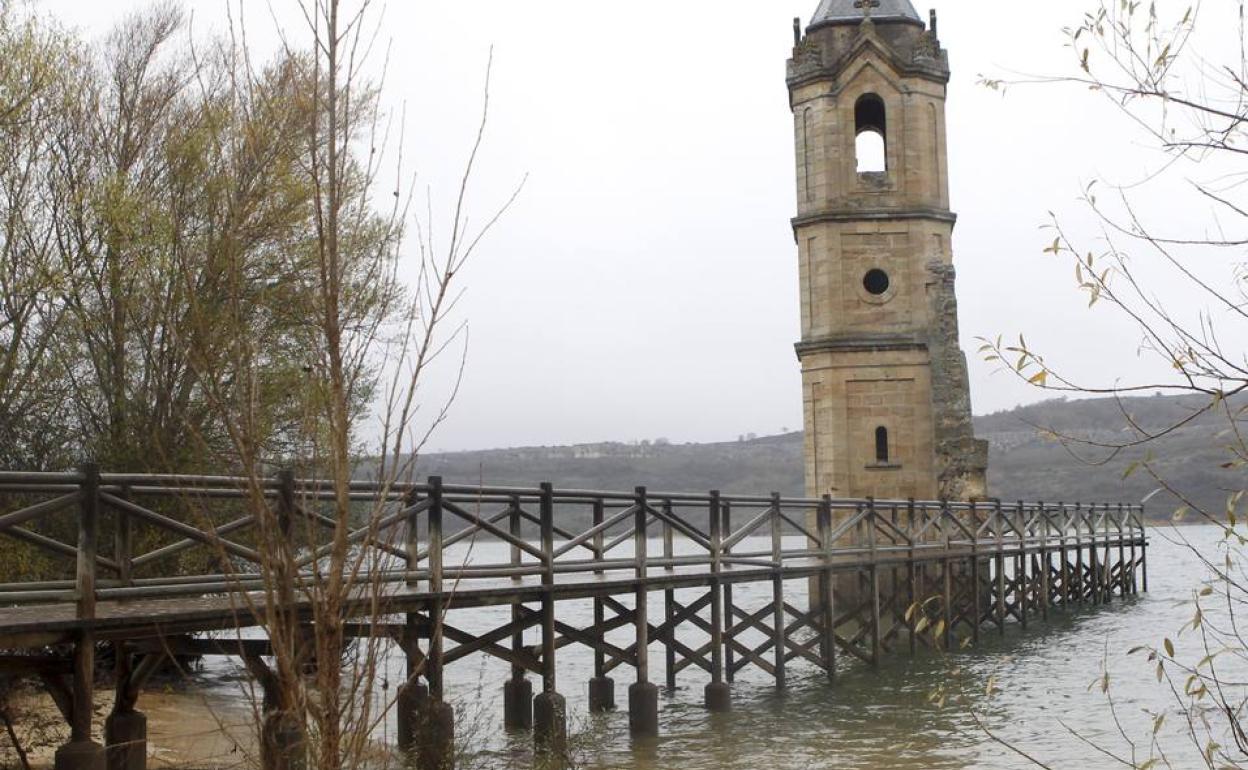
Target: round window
[(876, 282)]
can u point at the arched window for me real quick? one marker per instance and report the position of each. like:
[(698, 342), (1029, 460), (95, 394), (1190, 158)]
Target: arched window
[(881, 445), (870, 130)]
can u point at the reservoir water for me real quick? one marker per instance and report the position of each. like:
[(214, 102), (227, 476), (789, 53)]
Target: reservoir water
[(915, 712)]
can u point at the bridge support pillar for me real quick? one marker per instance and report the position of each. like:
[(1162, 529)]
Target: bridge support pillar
[(80, 755), (125, 739), (281, 742), (550, 730), (125, 729), (518, 703), (435, 735), (410, 704), (282, 745), (601, 694), (643, 709), (718, 697)]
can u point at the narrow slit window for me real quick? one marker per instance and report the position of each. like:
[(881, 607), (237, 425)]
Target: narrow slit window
[(870, 132), (881, 445)]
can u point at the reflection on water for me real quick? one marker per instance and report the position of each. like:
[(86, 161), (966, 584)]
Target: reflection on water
[(870, 719)]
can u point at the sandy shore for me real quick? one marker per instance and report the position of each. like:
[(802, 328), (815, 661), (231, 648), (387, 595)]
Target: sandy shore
[(187, 729)]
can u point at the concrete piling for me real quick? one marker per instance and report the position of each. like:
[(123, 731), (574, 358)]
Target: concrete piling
[(718, 697), (643, 709), (601, 694), (550, 729), (125, 740), (518, 704)]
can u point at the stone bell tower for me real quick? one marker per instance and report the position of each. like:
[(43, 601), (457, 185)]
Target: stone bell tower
[(885, 392)]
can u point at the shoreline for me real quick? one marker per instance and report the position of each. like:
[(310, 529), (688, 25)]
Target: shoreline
[(188, 728)]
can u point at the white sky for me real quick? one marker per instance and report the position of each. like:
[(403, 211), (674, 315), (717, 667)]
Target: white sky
[(645, 284)]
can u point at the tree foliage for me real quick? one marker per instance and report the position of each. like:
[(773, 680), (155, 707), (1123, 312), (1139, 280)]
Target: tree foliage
[(160, 231)]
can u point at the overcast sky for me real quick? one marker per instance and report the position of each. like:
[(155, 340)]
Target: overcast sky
[(645, 283)]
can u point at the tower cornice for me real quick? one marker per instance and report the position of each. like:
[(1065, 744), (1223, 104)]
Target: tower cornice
[(861, 343), (873, 215)]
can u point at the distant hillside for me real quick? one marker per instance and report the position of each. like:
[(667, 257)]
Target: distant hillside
[(1027, 464), (1024, 463), (773, 463)]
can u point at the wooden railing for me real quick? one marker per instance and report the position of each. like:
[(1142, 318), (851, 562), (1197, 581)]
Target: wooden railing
[(416, 533)]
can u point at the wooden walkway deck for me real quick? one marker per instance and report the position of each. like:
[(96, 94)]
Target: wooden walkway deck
[(882, 577)]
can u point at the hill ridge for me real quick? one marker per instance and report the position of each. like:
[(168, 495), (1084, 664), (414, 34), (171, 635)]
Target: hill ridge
[(1024, 463)]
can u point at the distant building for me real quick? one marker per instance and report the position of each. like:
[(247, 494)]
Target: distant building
[(886, 397)]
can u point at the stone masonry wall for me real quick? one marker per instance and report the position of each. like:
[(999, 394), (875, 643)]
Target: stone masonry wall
[(961, 459)]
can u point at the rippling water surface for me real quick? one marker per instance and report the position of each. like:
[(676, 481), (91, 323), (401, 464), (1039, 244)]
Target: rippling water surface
[(886, 718)]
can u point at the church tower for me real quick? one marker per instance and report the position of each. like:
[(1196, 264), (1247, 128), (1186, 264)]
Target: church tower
[(885, 391)]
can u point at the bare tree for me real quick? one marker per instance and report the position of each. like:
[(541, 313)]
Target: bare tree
[(1180, 77), (201, 272), (322, 602)]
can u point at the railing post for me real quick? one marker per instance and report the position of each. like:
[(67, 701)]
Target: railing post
[(413, 695), (777, 589), (730, 668), (643, 697), (286, 572), (547, 518), (281, 555), (947, 577), (1045, 592), (1131, 531), (436, 726), (877, 637), (1064, 569), (515, 527), (999, 522), (1098, 571), (434, 536), (912, 579), (285, 503), (669, 599), (601, 687), (1123, 588), (717, 695), (1107, 570), (1023, 580), (977, 598), (88, 540), (827, 595), (123, 542), (550, 721), (82, 751), (1082, 587), (1098, 561), (518, 690), (412, 536)]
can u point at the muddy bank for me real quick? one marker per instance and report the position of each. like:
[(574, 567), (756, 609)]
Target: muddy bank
[(187, 729)]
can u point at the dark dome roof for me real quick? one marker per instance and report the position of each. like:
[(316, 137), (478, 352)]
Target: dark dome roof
[(834, 11)]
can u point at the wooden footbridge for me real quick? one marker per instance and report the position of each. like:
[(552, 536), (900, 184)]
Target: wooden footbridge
[(659, 568)]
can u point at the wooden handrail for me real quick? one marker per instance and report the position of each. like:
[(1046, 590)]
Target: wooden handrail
[(879, 529)]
